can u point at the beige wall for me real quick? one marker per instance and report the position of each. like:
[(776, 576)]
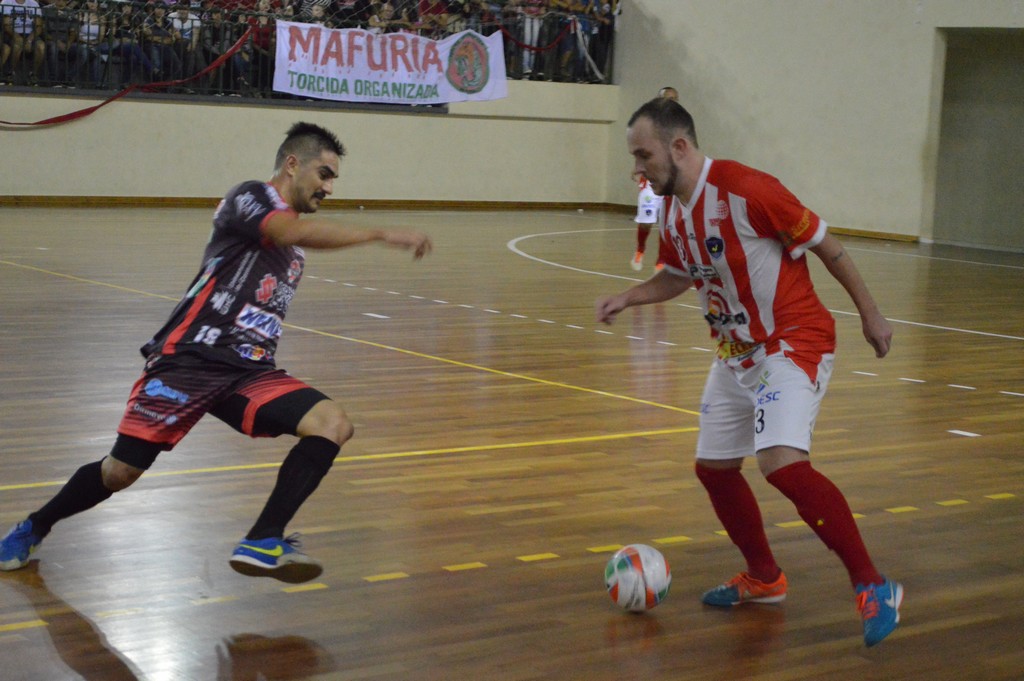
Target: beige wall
[(545, 142), (840, 99)]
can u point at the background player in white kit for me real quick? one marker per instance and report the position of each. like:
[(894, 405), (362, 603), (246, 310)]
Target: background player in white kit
[(647, 206), (647, 210), (739, 237)]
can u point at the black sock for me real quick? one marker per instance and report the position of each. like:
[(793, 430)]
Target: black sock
[(300, 474), (84, 490)]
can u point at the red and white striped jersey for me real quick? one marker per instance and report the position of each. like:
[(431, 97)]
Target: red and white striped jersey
[(742, 239)]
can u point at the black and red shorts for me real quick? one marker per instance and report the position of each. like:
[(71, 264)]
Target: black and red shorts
[(175, 391)]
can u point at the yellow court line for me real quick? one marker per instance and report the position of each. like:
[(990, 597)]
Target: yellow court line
[(395, 455), (18, 626), (382, 346)]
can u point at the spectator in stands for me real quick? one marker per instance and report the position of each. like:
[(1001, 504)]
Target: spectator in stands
[(341, 12), (263, 47), (92, 32), (318, 15), (216, 39), (360, 13), (510, 23), (23, 30), (533, 12), (124, 29), (60, 33), (433, 18), (601, 42), (585, 14), (189, 29), (160, 36)]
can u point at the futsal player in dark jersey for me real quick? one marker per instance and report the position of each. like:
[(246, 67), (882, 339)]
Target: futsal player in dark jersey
[(216, 352)]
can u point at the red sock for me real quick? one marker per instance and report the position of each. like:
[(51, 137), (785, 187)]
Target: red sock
[(641, 238), (737, 509), (822, 506)]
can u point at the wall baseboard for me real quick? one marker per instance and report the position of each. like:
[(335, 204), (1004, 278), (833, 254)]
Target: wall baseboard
[(379, 204), (367, 204)]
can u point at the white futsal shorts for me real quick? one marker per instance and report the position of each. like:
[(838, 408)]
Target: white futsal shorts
[(774, 403)]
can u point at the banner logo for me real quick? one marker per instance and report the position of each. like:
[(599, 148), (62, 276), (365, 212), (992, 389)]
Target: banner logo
[(468, 64)]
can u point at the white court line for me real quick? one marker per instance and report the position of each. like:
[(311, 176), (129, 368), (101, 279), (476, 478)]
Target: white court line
[(514, 247), (965, 433)]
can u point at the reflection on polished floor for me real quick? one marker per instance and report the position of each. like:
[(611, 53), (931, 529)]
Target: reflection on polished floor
[(505, 445)]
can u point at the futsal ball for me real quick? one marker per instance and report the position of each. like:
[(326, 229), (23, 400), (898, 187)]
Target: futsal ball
[(637, 577)]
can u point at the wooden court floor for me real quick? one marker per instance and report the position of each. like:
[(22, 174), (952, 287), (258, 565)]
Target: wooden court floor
[(505, 446)]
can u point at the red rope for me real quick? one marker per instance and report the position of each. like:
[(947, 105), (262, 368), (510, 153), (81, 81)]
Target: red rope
[(148, 87)]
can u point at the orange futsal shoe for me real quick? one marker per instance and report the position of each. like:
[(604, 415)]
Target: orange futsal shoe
[(745, 589)]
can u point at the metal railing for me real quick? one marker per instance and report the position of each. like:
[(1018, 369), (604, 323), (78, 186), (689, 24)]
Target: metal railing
[(87, 45)]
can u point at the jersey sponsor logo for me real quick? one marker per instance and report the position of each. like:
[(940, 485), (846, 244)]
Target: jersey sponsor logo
[(702, 271), (721, 212), (282, 298), (765, 398), (728, 349), (294, 270), (156, 388), (719, 315), (715, 246), (259, 321), (793, 236), (221, 301), (148, 413), (266, 288), (253, 352), (248, 206)]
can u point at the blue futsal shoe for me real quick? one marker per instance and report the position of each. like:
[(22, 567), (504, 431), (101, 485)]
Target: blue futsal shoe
[(274, 557), (18, 545), (879, 607)]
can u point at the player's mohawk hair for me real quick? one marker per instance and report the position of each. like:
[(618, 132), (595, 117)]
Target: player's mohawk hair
[(308, 140)]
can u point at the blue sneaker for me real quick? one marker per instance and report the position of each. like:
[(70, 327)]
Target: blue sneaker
[(18, 545), (277, 558), (879, 608), (745, 589)]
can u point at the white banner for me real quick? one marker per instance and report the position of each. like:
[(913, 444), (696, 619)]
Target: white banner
[(353, 65)]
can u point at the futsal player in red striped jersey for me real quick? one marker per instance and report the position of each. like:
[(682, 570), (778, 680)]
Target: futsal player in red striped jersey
[(739, 237), (215, 355)]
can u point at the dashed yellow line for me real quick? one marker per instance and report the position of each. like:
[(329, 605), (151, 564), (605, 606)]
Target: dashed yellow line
[(464, 566), (610, 548), (386, 577), (299, 588), (529, 558), (668, 541)]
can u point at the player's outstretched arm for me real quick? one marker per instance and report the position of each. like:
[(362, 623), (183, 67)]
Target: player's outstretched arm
[(661, 287), (285, 229), (875, 327)]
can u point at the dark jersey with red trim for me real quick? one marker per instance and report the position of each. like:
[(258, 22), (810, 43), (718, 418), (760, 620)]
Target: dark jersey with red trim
[(235, 307)]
